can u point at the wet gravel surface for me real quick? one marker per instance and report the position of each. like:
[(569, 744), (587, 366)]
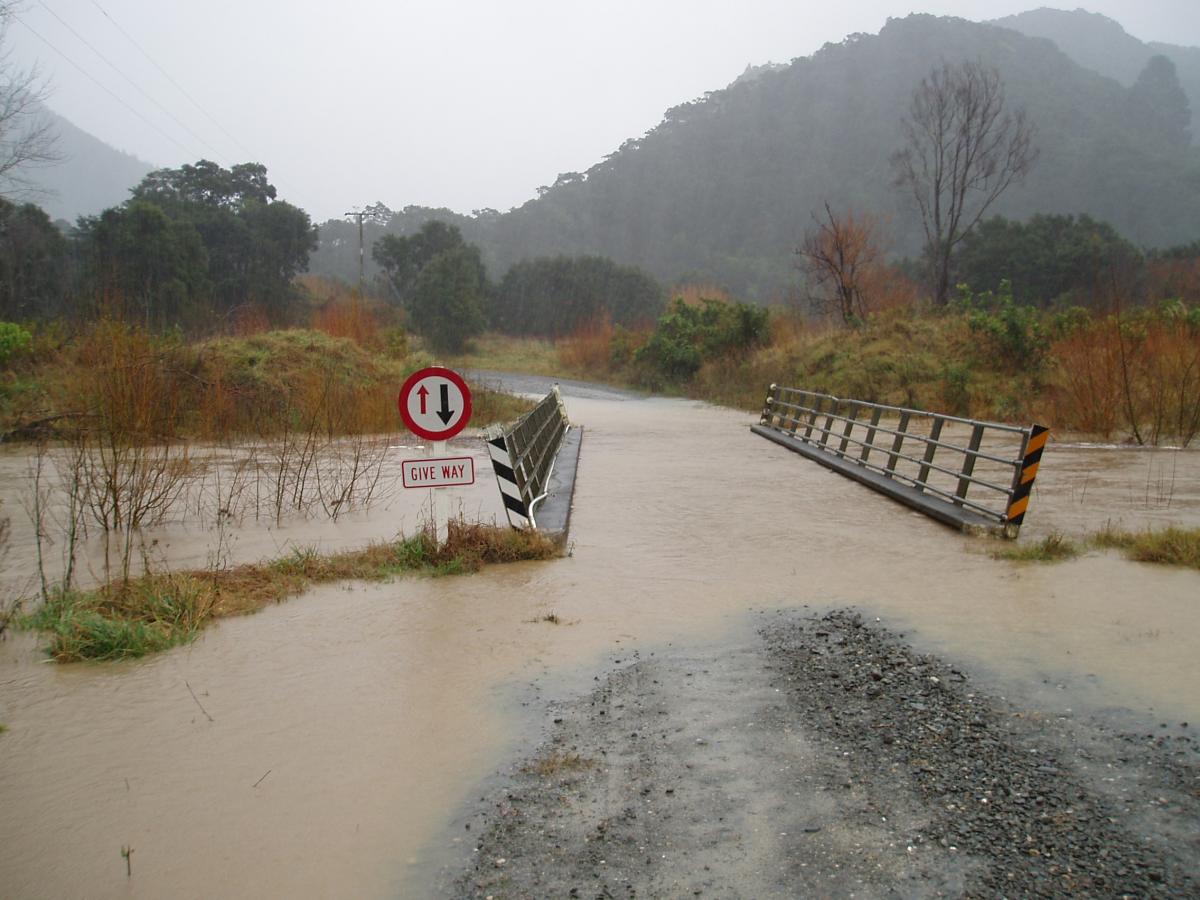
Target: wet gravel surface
[(824, 756)]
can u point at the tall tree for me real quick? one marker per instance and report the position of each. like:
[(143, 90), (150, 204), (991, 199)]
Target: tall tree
[(403, 257), (27, 137), (440, 279), (447, 299), (963, 149), (255, 244), (207, 184), (33, 263), (1158, 104), (144, 265), (838, 257)]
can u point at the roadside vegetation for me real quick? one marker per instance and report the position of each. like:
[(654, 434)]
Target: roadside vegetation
[(1126, 373), (1172, 546), (1054, 547), (341, 374), (142, 615)]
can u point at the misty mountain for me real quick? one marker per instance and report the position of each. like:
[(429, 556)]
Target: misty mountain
[(91, 177), (723, 189), (1098, 43)]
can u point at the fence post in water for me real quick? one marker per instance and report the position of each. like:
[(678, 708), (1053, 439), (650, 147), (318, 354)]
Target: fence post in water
[(867, 444), (894, 456), (935, 434), (851, 418), (968, 466), (828, 429), (1023, 480), (770, 407), (814, 411)]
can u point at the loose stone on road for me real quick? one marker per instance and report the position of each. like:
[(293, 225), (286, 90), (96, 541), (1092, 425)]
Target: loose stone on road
[(828, 758)]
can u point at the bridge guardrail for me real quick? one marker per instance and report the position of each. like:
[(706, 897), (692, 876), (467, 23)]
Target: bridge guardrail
[(868, 442), (523, 457)]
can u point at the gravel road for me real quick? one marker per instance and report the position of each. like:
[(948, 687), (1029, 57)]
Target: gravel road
[(826, 757)]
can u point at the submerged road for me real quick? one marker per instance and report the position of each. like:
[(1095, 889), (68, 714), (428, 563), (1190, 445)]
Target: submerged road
[(353, 730)]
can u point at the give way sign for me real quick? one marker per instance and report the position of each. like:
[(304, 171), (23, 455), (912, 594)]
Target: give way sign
[(435, 403)]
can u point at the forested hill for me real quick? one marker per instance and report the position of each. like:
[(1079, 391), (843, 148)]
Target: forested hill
[(1098, 43), (90, 176), (724, 188)]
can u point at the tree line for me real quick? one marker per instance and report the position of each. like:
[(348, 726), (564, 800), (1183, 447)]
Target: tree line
[(198, 245), (441, 281), (191, 245)]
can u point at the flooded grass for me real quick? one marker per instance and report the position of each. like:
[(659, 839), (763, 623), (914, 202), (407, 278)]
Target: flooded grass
[(1054, 547), (1170, 546), (158, 611)]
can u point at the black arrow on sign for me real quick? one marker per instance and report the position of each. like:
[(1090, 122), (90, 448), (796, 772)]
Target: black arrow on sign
[(446, 413)]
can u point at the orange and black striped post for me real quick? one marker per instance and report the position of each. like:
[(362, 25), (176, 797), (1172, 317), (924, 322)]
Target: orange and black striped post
[(1023, 482)]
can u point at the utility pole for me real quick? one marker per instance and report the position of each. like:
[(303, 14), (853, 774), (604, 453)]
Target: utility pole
[(360, 216)]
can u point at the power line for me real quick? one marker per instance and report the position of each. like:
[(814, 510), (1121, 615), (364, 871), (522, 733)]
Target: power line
[(133, 83), (187, 151), (178, 86)]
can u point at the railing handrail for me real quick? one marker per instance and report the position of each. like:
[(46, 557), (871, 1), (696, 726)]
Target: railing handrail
[(999, 426), (826, 424), (978, 454)]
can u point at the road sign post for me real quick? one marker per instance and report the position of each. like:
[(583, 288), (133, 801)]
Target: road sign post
[(435, 404)]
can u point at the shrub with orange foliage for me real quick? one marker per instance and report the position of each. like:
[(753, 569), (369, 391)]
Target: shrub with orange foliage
[(1138, 371), (349, 316), (889, 289), (1087, 395), (589, 349), (837, 258)]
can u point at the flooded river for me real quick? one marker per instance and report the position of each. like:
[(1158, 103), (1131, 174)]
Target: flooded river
[(320, 747)]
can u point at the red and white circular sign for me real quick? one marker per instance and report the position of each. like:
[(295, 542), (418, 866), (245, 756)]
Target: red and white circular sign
[(435, 403)]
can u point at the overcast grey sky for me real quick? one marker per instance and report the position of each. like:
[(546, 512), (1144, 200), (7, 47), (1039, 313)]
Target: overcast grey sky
[(464, 104)]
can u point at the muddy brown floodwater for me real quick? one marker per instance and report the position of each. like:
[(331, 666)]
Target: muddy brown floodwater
[(331, 738)]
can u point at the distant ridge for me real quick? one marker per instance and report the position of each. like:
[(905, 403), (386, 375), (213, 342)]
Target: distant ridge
[(723, 189), (91, 177), (1098, 43)]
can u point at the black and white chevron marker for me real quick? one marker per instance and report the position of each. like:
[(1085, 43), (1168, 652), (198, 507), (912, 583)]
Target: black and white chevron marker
[(510, 493)]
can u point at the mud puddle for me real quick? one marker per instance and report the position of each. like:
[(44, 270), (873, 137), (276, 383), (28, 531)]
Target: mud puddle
[(330, 739)]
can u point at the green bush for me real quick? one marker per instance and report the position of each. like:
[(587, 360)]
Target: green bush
[(689, 335), (13, 339), (1011, 331)]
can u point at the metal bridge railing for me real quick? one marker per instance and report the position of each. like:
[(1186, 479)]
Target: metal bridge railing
[(965, 472), (523, 457)]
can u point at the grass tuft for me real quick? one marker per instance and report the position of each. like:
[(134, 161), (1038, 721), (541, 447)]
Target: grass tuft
[(144, 616), (1170, 546), (156, 612), (1055, 547)]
